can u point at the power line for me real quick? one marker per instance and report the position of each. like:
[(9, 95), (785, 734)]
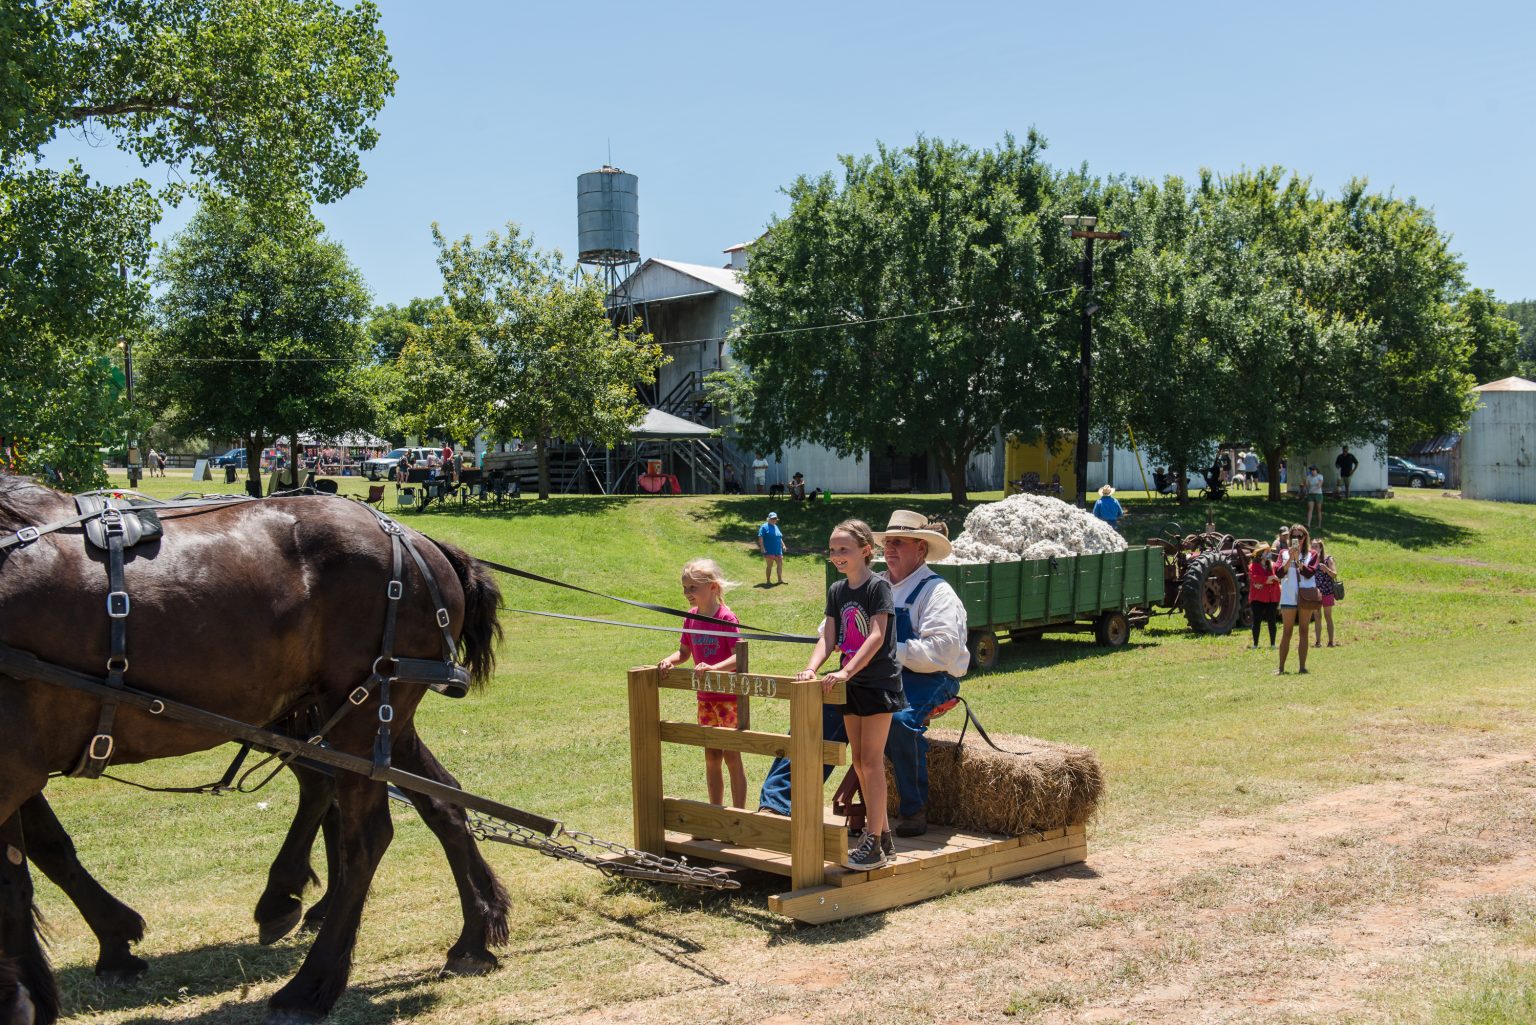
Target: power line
[(150, 358)]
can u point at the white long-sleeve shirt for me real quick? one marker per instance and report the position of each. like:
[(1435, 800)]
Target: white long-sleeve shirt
[(938, 626)]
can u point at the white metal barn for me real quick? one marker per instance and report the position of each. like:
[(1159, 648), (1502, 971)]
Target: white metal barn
[(1499, 444)]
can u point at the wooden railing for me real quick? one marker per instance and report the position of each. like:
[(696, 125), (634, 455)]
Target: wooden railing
[(805, 836)]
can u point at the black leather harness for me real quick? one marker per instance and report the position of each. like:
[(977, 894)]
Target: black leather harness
[(115, 524)]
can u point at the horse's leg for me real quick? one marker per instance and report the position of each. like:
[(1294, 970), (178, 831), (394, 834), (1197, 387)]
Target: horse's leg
[(33, 997), (115, 924), (365, 834), (481, 896), (279, 907), (330, 827), (483, 900)]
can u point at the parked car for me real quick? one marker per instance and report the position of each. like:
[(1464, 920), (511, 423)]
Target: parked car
[(385, 465), (1401, 471), (234, 457)]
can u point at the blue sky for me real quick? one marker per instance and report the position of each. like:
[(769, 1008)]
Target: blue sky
[(717, 107)]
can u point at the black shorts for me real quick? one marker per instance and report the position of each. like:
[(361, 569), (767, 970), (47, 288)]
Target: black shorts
[(873, 701)]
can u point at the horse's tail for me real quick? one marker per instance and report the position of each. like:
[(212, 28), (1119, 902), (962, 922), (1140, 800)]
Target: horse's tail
[(482, 601)]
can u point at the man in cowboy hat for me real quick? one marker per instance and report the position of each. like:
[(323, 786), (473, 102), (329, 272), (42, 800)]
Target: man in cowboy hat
[(1108, 508), (930, 645)]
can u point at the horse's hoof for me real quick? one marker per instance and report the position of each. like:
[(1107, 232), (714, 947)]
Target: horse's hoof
[(289, 1016), (471, 964), (312, 922), (270, 932)]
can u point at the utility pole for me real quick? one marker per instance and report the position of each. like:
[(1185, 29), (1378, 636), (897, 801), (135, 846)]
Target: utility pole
[(131, 455), (1082, 227)]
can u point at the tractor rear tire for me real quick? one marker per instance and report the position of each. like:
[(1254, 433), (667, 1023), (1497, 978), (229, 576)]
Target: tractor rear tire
[(1210, 594), (983, 645), (1113, 629)]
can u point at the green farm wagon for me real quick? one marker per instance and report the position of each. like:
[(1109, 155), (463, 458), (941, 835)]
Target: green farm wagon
[(1023, 600)]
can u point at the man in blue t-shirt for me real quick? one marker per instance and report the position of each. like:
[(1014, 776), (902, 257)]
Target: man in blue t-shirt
[(770, 541), (1108, 508)]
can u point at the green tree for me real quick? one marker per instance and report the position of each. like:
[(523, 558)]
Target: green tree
[(64, 307), (935, 259), (260, 330), (263, 98), (1168, 331), (1523, 313), (525, 349), (1494, 338)]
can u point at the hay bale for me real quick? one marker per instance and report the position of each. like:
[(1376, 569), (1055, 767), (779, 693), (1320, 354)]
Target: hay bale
[(1039, 785)]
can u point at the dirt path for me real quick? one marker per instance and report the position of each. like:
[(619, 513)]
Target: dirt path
[(1304, 913)]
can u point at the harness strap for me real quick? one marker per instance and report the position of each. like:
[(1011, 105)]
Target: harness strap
[(641, 604), (98, 751), (28, 534), (970, 717), (23, 665)]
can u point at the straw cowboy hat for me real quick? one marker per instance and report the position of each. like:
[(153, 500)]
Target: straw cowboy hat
[(906, 523), (1106, 490)]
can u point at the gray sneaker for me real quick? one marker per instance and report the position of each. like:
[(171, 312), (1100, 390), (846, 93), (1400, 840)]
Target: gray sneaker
[(868, 854)]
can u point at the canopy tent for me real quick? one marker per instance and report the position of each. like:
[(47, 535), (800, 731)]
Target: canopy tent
[(664, 429), (660, 426)]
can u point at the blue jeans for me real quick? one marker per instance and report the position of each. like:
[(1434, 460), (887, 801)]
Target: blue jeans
[(905, 745), (775, 795)]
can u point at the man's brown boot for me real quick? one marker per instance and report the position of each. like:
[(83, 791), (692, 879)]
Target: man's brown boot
[(912, 825)]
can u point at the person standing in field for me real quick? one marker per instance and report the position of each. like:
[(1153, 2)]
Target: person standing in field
[(770, 542), (760, 474), (1298, 572), (1263, 592), (1108, 507), (1314, 494), (858, 625), (704, 587), (1326, 573), (1346, 463)]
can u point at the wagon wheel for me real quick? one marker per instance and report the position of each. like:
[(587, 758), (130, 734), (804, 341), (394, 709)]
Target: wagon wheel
[(1210, 594), (1113, 629), (983, 645)]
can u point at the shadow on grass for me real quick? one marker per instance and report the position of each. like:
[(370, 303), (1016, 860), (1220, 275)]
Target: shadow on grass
[(1352, 520), (512, 509)]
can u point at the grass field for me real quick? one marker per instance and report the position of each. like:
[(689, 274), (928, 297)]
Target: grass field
[(1431, 686)]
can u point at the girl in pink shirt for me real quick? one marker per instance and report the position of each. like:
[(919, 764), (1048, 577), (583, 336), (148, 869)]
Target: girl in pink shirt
[(704, 587)]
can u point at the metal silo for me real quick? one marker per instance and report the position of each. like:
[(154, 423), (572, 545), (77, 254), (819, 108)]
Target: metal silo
[(608, 217), (1498, 448)]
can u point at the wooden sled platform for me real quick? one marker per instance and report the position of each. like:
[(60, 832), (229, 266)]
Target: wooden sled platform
[(943, 861), (810, 845)]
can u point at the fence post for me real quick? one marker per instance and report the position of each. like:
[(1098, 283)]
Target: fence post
[(805, 785), (743, 701), (645, 759)]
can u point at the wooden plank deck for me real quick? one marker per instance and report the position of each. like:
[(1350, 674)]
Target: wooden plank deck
[(941, 862)]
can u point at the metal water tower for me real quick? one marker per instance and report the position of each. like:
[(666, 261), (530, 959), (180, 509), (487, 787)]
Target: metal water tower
[(608, 230)]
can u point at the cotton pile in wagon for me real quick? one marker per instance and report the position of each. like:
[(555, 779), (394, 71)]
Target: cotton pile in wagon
[(1031, 527)]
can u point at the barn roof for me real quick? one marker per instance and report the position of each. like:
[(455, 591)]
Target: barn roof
[(1508, 384)]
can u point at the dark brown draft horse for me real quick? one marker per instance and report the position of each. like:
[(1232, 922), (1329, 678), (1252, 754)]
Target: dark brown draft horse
[(247, 611)]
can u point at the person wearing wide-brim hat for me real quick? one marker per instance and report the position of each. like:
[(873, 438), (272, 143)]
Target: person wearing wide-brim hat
[(930, 626), (1108, 507)]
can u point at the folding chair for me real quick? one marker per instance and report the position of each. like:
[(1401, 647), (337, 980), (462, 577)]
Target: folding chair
[(407, 499), (375, 495)]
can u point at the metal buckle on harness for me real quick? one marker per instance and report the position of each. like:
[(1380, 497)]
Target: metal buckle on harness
[(117, 604), (395, 590), (442, 618), (99, 740), (26, 535), (386, 713), (357, 697), (112, 664), (112, 520)]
